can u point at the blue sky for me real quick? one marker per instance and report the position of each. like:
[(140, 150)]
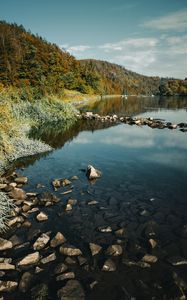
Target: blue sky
[(146, 36)]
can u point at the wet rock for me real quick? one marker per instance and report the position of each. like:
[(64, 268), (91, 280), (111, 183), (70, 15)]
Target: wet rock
[(68, 207), (40, 186), (57, 240), (61, 268), (66, 182), (42, 217), (140, 264), (92, 173), (74, 178), (92, 284), (70, 261), (71, 291), (38, 270), (40, 292), (153, 243), (18, 194), (120, 233), (149, 258), (5, 260), (114, 250), (95, 249), (8, 286), (15, 220), (6, 266), (105, 229), (70, 251), (33, 234), (82, 260), (5, 244), (27, 224), (109, 266), (93, 202), (69, 275), (56, 183), (21, 180), (177, 261), (49, 258), (72, 201), (25, 282), (46, 198), (41, 242), (30, 259)]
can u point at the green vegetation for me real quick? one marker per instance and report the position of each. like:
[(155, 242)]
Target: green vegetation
[(173, 87)]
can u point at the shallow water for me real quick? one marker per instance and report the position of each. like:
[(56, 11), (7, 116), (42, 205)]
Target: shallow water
[(143, 169)]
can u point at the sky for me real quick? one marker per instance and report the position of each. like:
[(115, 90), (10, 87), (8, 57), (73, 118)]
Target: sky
[(146, 36)]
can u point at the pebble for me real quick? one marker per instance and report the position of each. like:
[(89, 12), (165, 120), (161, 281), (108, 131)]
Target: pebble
[(95, 249), (109, 266), (42, 217)]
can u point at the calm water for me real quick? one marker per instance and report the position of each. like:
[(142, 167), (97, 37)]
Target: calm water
[(137, 164)]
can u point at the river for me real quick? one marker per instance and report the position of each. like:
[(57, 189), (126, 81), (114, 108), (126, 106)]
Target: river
[(142, 190)]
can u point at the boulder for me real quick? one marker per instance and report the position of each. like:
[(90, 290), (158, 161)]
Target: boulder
[(5, 244), (41, 242), (57, 240), (30, 259), (92, 173), (95, 249), (70, 251), (71, 291)]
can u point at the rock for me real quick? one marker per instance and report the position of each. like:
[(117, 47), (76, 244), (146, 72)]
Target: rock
[(109, 265), (5, 244), (25, 282), (66, 182), (8, 286), (70, 251), (114, 250), (144, 213), (105, 229), (41, 242), (42, 217), (21, 180), (153, 243), (16, 240), (38, 270), (149, 258), (56, 183), (69, 275), (30, 259), (177, 261), (95, 249), (49, 258), (72, 201), (40, 186), (18, 194), (69, 207), (61, 268), (6, 266), (71, 291), (5, 260), (140, 264), (40, 292), (82, 260), (57, 240), (93, 202), (70, 260), (120, 232), (15, 220), (74, 178), (92, 173), (3, 186), (27, 224)]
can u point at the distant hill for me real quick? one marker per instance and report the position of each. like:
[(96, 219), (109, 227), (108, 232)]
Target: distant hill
[(29, 61), (115, 79)]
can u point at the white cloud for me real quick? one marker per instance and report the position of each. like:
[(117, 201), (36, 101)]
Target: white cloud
[(173, 21), (129, 43), (78, 48)]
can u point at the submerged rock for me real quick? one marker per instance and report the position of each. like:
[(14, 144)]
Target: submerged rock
[(8, 286), (42, 217), (114, 250), (5, 244), (105, 229), (149, 258), (41, 242), (57, 240), (69, 275), (153, 243), (61, 268), (30, 259), (25, 282), (95, 249), (40, 292), (70, 251), (177, 261), (92, 173), (109, 266), (71, 291)]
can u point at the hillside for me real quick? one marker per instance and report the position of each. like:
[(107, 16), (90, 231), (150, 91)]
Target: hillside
[(115, 79)]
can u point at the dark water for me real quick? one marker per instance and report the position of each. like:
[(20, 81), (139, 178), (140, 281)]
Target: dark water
[(143, 169)]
